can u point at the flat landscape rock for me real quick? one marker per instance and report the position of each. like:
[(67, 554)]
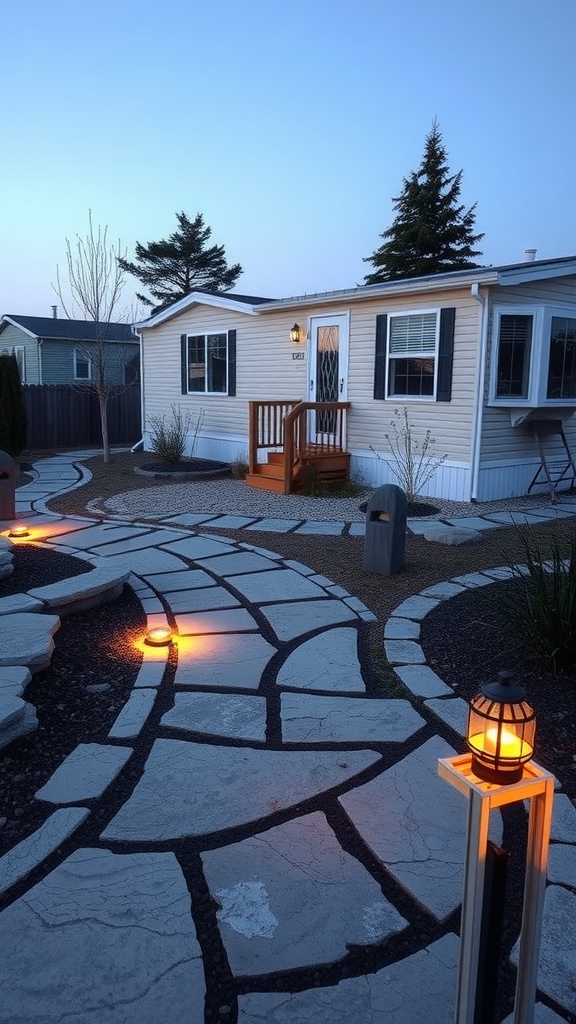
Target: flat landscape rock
[(299, 617), (235, 716), (313, 719), (452, 535), (291, 897), (226, 662), (27, 855), (85, 773), (14, 679), (80, 588), (26, 639), (558, 947), (327, 662)]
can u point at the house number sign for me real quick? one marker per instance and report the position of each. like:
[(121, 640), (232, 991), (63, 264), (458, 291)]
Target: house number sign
[(298, 355)]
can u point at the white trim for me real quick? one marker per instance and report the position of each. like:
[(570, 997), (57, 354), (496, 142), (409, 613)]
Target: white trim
[(206, 334), (478, 409), (196, 298), (9, 320), (85, 358)]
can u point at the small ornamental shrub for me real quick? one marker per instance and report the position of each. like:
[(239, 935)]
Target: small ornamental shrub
[(541, 610), (413, 462), (13, 423), (168, 440)]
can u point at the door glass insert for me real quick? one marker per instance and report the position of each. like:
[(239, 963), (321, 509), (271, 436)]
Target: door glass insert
[(328, 344)]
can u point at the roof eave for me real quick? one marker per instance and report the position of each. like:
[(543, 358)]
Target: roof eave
[(196, 298)]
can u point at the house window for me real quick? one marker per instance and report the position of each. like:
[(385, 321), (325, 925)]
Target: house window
[(412, 355), (20, 352), (534, 358), (208, 363), (82, 365), (561, 381), (514, 343)]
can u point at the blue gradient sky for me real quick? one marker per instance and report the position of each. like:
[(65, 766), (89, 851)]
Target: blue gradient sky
[(289, 124)]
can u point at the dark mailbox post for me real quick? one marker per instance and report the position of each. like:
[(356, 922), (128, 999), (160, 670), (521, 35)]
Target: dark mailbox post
[(385, 540), (7, 487)]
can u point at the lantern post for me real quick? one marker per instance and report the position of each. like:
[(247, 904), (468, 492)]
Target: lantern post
[(498, 771)]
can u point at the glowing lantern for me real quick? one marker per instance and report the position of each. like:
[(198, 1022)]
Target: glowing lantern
[(501, 728), (19, 531)]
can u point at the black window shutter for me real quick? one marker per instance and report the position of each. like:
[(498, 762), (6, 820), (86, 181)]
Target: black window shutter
[(184, 362), (380, 357), (445, 355), (231, 363)]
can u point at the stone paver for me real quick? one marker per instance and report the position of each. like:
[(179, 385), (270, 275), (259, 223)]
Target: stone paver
[(292, 620), (404, 652), (226, 662), (291, 897), (106, 937), (415, 607), (200, 600), (27, 639), (277, 584), (390, 995), (453, 711), (133, 715), (312, 719), (235, 716), (556, 973), (233, 621), (232, 786), (238, 563), (85, 773), (28, 854), (401, 629), (327, 662)]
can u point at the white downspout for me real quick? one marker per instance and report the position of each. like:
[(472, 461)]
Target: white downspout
[(39, 345), (479, 396)]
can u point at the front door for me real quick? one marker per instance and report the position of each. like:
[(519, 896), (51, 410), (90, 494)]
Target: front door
[(328, 380)]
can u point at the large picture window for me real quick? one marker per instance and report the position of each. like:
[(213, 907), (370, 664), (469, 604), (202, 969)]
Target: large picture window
[(412, 355)]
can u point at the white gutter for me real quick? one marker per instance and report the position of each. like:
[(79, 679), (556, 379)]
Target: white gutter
[(479, 396)]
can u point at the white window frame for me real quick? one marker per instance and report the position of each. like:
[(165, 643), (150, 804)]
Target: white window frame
[(20, 352), (539, 355), (205, 335), (412, 354), (80, 356)]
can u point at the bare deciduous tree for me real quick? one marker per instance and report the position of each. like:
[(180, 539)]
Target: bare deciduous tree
[(95, 285)]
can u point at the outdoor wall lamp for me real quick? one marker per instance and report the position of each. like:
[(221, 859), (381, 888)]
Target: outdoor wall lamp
[(19, 531), (159, 636), (295, 334), (500, 734)]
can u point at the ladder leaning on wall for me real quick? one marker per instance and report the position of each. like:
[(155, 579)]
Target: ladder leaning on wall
[(557, 467)]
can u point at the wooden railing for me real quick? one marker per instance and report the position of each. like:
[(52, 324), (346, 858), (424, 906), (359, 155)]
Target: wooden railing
[(329, 434), (284, 425), (266, 428)]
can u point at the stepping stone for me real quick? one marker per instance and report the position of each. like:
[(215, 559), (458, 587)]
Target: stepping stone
[(563, 819), (147, 562), (91, 536), (237, 563), (231, 787), (105, 937), (313, 719), (402, 993), (451, 535), (453, 711), (79, 593), (187, 579), (422, 681), (133, 715), (542, 1015), (235, 716), (416, 607), (11, 709), (198, 547), (27, 855), (144, 540), (401, 629), (321, 528), (276, 525), (415, 824), (562, 864), (404, 652), (327, 662), (205, 599), (558, 947), (13, 680), (150, 673), (26, 723), (232, 522), (276, 585), (19, 603), (233, 621), (291, 897), (442, 591), (223, 661), (85, 773), (291, 620), (26, 639)]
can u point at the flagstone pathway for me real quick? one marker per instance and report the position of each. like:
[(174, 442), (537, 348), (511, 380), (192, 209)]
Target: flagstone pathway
[(287, 853)]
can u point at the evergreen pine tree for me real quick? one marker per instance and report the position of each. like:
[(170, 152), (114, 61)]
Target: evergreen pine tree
[(13, 423), (180, 264), (432, 232)]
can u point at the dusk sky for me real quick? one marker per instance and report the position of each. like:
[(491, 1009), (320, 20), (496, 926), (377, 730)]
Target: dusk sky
[(289, 124)]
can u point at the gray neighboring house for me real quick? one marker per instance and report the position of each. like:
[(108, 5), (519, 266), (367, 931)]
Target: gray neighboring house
[(50, 350)]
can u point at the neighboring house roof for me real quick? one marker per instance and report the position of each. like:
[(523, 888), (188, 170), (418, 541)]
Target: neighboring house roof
[(52, 329), (506, 274)]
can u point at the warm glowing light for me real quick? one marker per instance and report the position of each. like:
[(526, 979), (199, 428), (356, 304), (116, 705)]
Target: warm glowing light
[(158, 636), (510, 745), (19, 531)]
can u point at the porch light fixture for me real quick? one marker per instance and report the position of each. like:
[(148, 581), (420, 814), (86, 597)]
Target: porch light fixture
[(295, 334), (19, 531), (501, 728), (159, 636)]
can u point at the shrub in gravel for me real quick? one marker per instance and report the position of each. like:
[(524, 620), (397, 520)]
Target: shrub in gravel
[(541, 610), (168, 440)]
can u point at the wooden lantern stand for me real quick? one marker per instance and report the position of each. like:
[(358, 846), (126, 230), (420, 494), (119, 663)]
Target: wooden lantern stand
[(536, 786)]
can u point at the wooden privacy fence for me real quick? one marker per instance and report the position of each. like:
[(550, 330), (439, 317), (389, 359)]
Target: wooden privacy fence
[(61, 414)]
